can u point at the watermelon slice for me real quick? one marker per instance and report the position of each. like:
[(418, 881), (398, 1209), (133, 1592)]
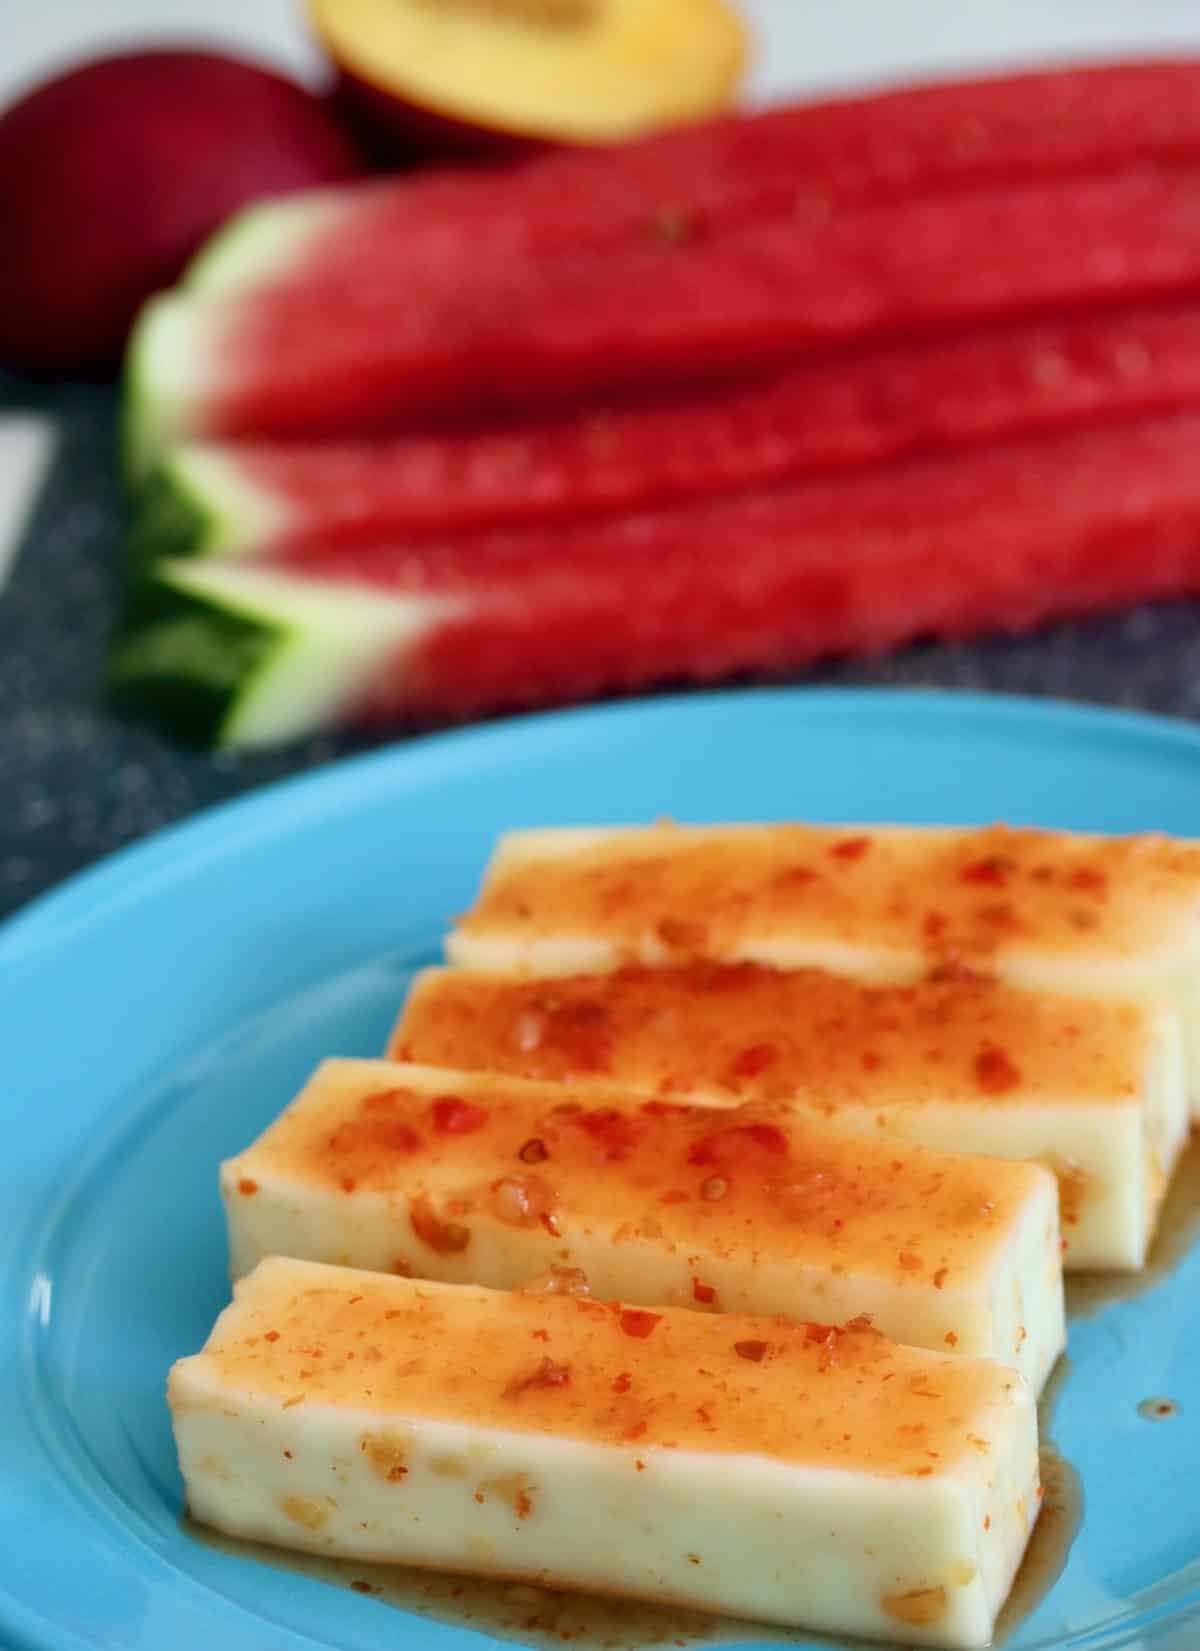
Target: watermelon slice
[(999, 538), (802, 161), (297, 363), (264, 499)]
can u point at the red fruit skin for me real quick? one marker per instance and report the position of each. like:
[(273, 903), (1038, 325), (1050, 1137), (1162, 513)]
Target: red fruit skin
[(398, 132), (111, 176)]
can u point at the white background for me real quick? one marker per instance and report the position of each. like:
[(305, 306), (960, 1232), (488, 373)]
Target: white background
[(802, 43)]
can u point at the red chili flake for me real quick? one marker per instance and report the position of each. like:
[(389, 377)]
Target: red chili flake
[(614, 1131), (444, 1237), (534, 1152), (757, 1058), (939, 1278), (271, 1335), (524, 1504), (722, 1143), (704, 1414), (622, 1383), (871, 1062), (636, 1323), (850, 848), (994, 871), (289, 1455), (675, 1196), (995, 1072), (703, 1292), (661, 1109), (755, 1351), (683, 935), (934, 925), (827, 1337), (247, 1187), (398, 1137), (1000, 917), (636, 1431), (911, 1263), (547, 1374), (1089, 879), (454, 1116), (987, 1521), (795, 876), (541, 1335), (348, 1183)]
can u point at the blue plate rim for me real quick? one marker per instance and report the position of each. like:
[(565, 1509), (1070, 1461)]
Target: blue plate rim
[(174, 851)]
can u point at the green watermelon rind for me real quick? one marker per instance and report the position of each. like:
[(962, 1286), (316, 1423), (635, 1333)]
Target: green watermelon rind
[(146, 428), (187, 661), (171, 519), (200, 501), (135, 413), (232, 654), (172, 373)]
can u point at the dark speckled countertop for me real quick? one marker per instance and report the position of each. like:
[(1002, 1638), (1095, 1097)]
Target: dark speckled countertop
[(77, 782)]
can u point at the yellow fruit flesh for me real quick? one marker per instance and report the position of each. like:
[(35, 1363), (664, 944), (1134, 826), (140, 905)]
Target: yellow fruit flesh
[(569, 70)]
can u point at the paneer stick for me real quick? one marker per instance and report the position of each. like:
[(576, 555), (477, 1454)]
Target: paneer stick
[(753, 1466), (1092, 1088), (1052, 911), (481, 1179)]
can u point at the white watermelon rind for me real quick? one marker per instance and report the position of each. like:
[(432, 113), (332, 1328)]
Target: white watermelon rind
[(236, 656)]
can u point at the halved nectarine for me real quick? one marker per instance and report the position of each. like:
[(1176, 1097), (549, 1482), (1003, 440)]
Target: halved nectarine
[(490, 75)]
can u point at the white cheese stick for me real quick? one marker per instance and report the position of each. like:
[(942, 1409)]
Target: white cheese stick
[(1094, 1090), (754, 1467), (482, 1179), (1052, 911)]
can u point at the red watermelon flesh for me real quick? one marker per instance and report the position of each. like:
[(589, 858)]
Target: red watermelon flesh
[(300, 363), (848, 411), (800, 163), (998, 539)]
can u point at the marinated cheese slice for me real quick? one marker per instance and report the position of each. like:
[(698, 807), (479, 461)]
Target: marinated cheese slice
[(799, 1473), (1052, 911), (482, 1179), (1094, 1089)]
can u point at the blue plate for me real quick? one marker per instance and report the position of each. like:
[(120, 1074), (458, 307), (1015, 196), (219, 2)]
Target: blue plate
[(158, 1011)]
